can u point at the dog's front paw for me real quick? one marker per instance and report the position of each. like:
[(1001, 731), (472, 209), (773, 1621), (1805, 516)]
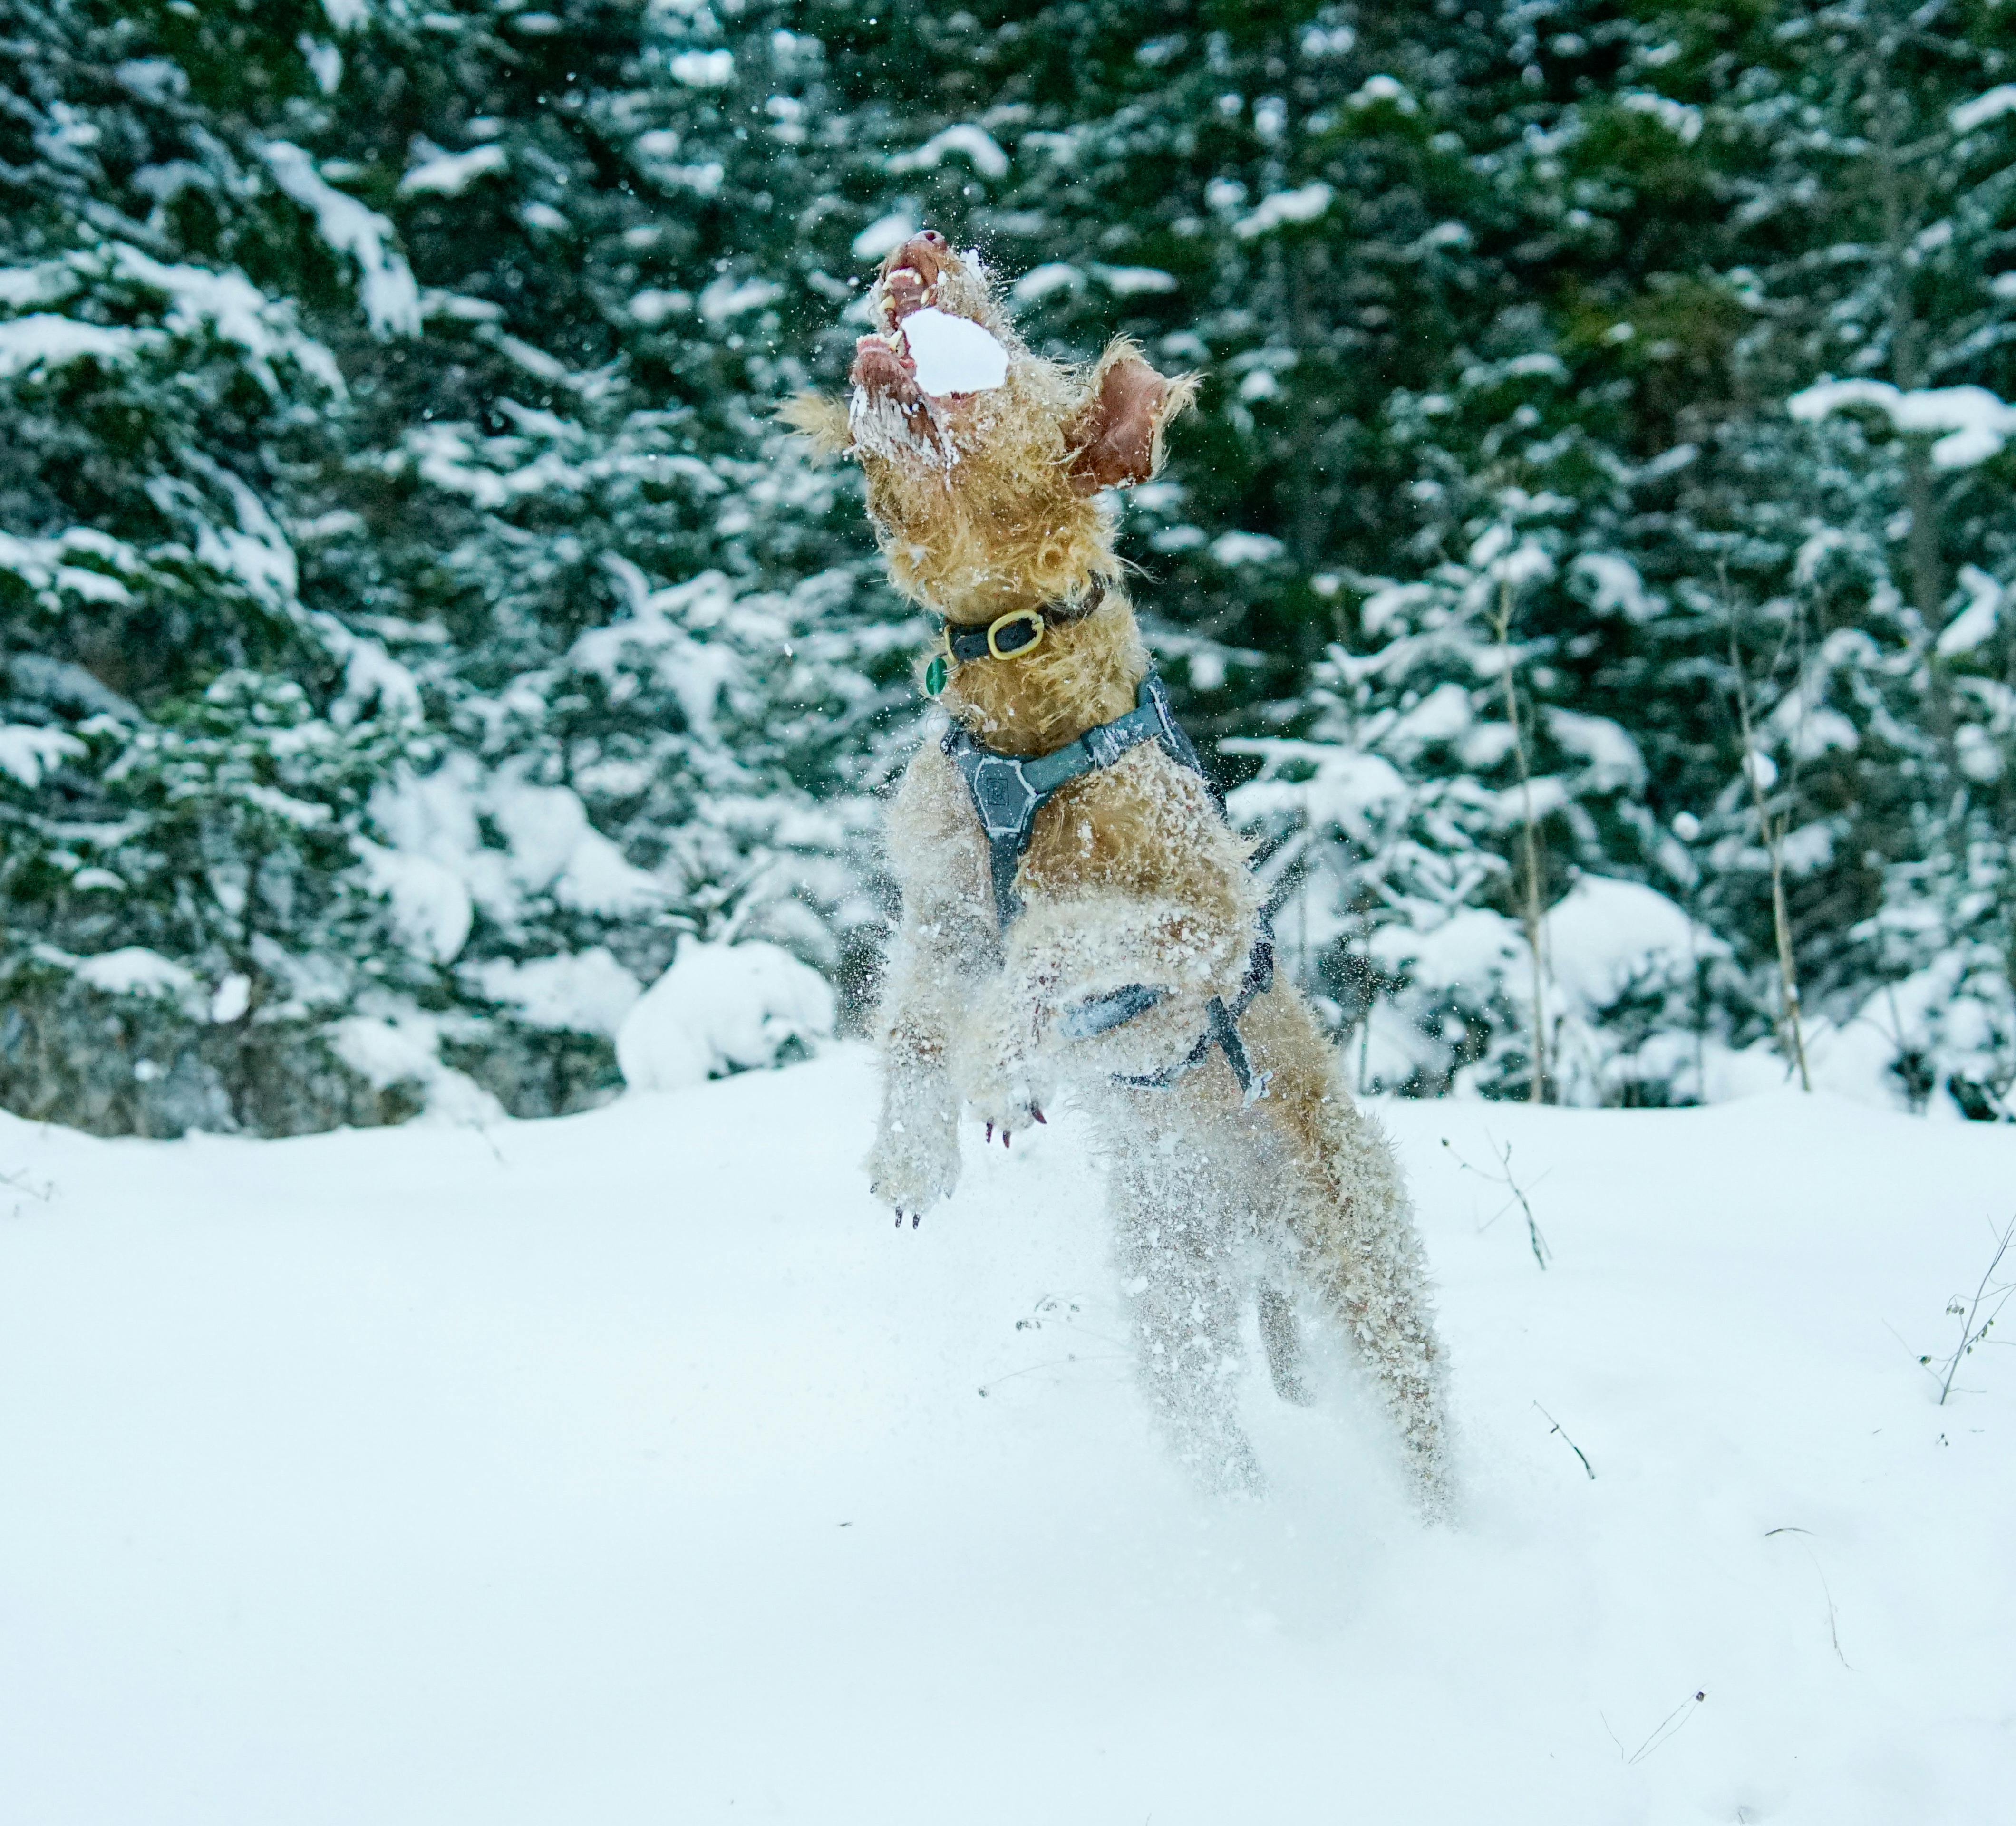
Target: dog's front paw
[(914, 1162), (1006, 1094)]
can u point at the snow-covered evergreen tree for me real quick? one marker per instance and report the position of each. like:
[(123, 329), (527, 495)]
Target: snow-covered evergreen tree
[(513, 549), (413, 627), (185, 760)]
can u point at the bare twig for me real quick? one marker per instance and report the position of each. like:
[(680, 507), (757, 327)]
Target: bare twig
[(1533, 897), (482, 1132), (1771, 828), (1988, 1293), (41, 1190), (1541, 1253), (1553, 1425)]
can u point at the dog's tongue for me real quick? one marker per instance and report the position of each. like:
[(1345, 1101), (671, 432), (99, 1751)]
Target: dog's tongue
[(953, 354)]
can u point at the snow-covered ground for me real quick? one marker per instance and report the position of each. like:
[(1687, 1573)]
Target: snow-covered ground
[(632, 1467)]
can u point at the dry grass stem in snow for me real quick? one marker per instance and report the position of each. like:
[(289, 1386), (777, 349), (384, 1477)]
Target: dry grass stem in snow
[(1989, 1293), (1826, 1591), (1555, 1426), (1541, 1252)]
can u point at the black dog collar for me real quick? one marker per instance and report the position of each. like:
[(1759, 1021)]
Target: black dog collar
[(1018, 633)]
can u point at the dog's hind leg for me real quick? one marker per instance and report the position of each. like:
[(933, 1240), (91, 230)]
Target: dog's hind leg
[(1184, 1281), (1363, 1257), (1281, 1332), (1346, 1212)]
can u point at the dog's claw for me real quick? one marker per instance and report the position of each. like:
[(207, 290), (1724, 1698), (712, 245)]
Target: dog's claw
[(916, 1218), (1039, 1116), (899, 1217), (1004, 1137), (990, 1131)]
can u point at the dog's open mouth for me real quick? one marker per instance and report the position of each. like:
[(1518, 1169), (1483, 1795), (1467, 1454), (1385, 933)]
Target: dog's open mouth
[(926, 352)]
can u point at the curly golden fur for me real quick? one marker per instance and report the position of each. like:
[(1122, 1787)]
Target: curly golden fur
[(991, 501)]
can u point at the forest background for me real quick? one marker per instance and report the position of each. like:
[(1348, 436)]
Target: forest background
[(1589, 566)]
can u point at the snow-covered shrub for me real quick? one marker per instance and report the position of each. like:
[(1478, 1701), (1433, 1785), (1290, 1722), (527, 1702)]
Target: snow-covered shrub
[(1401, 833), (722, 1008)]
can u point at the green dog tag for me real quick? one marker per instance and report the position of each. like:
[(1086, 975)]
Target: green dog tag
[(934, 676)]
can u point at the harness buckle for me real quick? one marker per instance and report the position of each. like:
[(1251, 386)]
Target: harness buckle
[(1029, 621), (1002, 795)]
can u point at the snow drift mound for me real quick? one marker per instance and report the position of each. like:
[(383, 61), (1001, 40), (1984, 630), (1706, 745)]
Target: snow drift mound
[(722, 1008)]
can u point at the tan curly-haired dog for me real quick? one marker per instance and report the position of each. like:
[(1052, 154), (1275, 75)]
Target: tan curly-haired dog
[(1133, 894)]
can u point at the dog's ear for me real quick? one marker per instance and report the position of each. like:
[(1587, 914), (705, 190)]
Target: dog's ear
[(1116, 439), (822, 422)]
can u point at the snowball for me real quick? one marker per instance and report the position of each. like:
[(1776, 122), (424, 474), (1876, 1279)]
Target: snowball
[(953, 354), (720, 1009)]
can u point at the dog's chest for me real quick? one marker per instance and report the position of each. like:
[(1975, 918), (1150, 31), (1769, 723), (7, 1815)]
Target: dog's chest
[(1131, 828)]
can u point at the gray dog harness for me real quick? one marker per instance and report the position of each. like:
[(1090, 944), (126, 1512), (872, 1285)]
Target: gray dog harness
[(1008, 790)]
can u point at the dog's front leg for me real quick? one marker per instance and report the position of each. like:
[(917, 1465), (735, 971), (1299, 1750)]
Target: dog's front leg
[(1002, 1074), (914, 1160), (944, 947)]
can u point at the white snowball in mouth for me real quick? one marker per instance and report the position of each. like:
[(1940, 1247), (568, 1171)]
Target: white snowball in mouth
[(953, 354)]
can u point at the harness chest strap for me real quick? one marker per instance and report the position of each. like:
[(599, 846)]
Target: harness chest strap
[(1008, 790)]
